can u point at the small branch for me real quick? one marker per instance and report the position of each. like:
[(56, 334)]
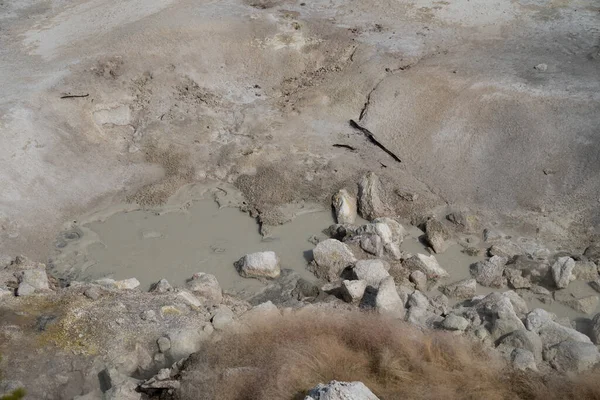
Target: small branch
[(372, 139), (345, 146), (73, 96)]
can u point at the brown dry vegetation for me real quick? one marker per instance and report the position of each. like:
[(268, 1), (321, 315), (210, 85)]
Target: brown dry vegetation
[(281, 358)]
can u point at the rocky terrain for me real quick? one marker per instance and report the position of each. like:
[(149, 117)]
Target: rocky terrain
[(461, 127)]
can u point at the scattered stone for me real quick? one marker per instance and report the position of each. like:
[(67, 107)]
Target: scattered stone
[(562, 272), (206, 286), (149, 315), (36, 278), (164, 344), (504, 249), (454, 322), (25, 289), (534, 270), (189, 299), (490, 235), (184, 342), (595, 285), (437, 235), (463, 221), (93, 293), (540, 290), (353, 291), (127, 284), (519, 304), (161, 286), (345, 207), (426, 264), (263, 264), (524, 339), (523, 360), (266, 309), (406, 195), (516, 279), (170, 310), (419, 279), (370, 205), (490, 272), (439, 304), (222, 319), (372, 244), (571, 356), (541, 67), (585, 271), (464, 289), (332, 257), (418, 300), (423, 317), (397, 230), (550, 332), (5, 292), (472, 251), (371, 271), (335, 390), (585, 305), (499, 314), (388, 301)]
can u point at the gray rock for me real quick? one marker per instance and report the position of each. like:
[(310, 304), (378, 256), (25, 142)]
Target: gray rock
[(5, 292), (516, 279), (519, 304), (490, 272), (184, 342), (93, 395), (332, 257), (353, 291), (585, 305), (585, 271), (499, 315), (505, 248), (463, 221), (423, 317), (427, 265), (189, 299), (335, 390), (371, 271), (37, 278), (454, 322), (25, 289), (562, 272), (264, 264), (164, 344), (370, 205), (161, 286), (464, 289), (419, 279), (534, 270), (523, 360), (127, 284), (592, 252), (372, 244), (524, 339), (396, 229), (570, 356), (541, 67), (93, 293), (222, 319), (124, 391), (491, 235), (439, 304), (388, 301), (206, 286), (437, 235), (149, 315), (418, 300), (345, 207), (595, 285), (550, 331)]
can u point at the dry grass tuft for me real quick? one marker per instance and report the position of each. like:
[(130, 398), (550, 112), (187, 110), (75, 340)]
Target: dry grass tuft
[(283, 358)]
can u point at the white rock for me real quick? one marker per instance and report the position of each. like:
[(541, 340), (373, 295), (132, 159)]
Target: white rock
[(130, 283), (489, 273), (185, 342), (523, 360), (371, 271), (426, 264), (570, 356), (419, 279), (222, 319), (25, 289), (332, 257), (189, 298), (164, 344), (370, 205), (388, 301), (455, 323), (437, 235), (161, 286), (345, 207), (206, 286), (464, 289), (353, 291), (562, 271), (372, 244), (37, 278), (541, 67), (335, 390), (263, 264)]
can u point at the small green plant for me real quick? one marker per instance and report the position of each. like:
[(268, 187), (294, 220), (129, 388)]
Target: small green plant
[(17, 394)]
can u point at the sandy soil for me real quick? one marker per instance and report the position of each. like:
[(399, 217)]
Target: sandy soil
[(257, 94)]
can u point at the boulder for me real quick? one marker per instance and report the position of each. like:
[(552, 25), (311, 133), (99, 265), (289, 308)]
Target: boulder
[(164, 344), (464, 289), (463, 221), (454, 322), (524, 339), (372, 244), (388, 301), (519, 304), (534, 270), (595, 329), (572, 357), (370, 205), (353, 291), (423, 317), (516, 279), (504, 248), (523, 360), (595, 285), (36, 278), (585, 271), (206, 286), (585, 305), (184, 342), (550, 331), (335, 390), (499, 315), (427, 265), (222, 319), (331, 257), (418, 300), (161, 286), (25, 289), (490, 272), (264, 264), (562, 272), (419, 279), (345, 207), (189, 299), (437, 235), (396, 229), (371, 271), (127, 284)]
